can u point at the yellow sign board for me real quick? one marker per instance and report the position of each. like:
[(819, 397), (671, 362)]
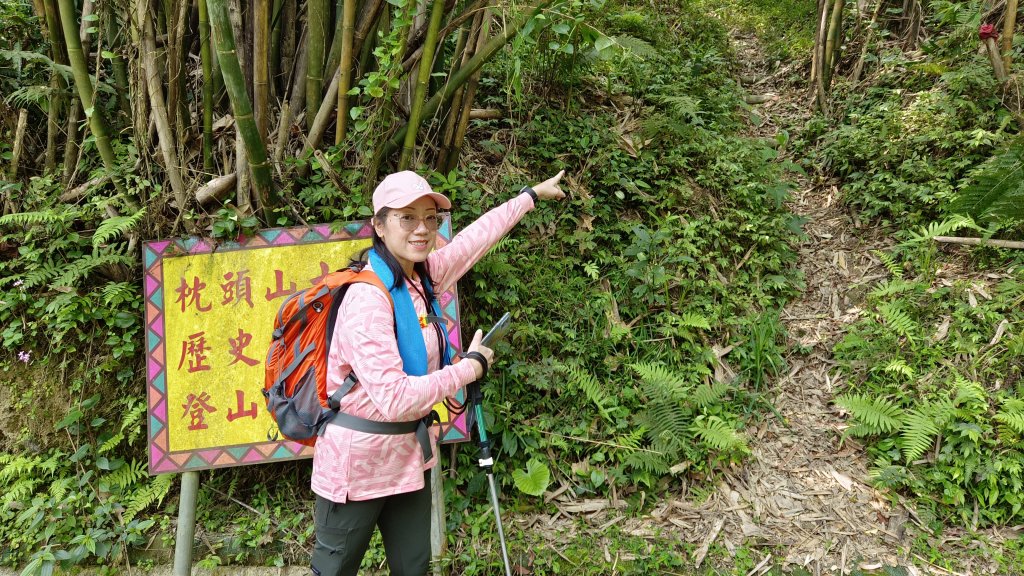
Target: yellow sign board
[(210, 313)]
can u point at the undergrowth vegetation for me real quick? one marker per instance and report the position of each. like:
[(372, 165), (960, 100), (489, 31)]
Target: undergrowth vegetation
[(673, 252), (926, 145)]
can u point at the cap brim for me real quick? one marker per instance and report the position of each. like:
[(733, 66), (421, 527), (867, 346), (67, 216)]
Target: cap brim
[(402, 202)]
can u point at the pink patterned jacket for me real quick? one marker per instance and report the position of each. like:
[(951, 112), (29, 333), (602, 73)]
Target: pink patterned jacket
[(359, 466)]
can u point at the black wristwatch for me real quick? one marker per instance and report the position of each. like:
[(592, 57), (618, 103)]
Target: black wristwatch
[(531, 192)]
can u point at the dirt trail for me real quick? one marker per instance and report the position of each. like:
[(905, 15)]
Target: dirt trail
[(801, 495)]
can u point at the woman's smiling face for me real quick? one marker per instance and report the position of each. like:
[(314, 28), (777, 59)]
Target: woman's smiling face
[(408, 246)]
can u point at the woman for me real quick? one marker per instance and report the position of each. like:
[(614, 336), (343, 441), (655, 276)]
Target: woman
[(398, 355)]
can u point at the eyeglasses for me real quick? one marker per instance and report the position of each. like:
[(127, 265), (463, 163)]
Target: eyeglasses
[(408, 222)]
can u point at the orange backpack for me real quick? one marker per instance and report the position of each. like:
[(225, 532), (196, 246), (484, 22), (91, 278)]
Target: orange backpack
[(295, 384)]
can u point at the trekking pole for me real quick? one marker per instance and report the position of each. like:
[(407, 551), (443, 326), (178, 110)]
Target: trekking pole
[(476, 398)]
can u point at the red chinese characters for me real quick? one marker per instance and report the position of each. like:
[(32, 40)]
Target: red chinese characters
[(195, 350), (192, 295), (237, 349), (237, 288), (279, 290), (198, 406), (241, 412)]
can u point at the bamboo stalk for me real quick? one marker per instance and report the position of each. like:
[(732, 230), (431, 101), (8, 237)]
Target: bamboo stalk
[(215, 189), (290, 28), (207, 63), (832, 41), (154, 87), (80, 71), (995, 58), (71, 147), (1012, 244), (1009, 25), (117, 63), (869, 36), (244, 122), (58, 98), (369, 17), (427, 62), (467, 99), (243, 183), (348, 21), (19, 143), (316, 34), (475, 63), (276, 14), (261, 65), (464, 48)]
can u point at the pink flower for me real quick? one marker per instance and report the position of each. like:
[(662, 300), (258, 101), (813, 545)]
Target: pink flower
[(18, 282), (987, 31), (24, 356)]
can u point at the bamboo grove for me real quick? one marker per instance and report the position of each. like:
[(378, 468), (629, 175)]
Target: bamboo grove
[(238, 100), (848, 34)]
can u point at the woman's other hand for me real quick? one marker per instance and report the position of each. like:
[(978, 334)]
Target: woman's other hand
[(549, 189), (476, 346)]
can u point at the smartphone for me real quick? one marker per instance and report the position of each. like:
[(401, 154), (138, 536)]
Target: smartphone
[(498, 331)]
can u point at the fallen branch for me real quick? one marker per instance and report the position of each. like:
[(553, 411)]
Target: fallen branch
[(1012, 244), (215, 189)]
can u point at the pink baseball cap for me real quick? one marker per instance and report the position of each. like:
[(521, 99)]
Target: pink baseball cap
[(400, 189)]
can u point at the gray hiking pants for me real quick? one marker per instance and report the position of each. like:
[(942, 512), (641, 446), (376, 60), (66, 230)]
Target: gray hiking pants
[(343, 533)]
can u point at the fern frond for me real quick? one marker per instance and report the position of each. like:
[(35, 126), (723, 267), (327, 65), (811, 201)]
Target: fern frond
[(125, 477), (941, 228), (146, 496), (592, 389), (631, 440), (917, 434), (889, 261), (115, 227), (997, 188), (21, 491), (1011, 414), (882, 415), (39, 276), (891, 288), (25, 219), (682, 107), (59, 487), (15, 55), (900, 322), (650, 462), (971, 399), (706, 395), (660, 381), (900, 366), (26, 95), (76, 270), (17, 468), (635, 47), (110, 443), (718, 434)]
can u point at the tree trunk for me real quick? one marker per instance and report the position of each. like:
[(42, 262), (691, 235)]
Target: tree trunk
[(348, 21), (464, 73), (464, 48), (832, 40), (261, 66), (57, 102), (83, 83), (19, 143), (426, 63), (234, 81), (1009, 25), (316, 34), (467, 100), (207, 63), (154, 87)]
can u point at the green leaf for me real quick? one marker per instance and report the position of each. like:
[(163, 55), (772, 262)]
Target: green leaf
[(534, 481), (603, 42)]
